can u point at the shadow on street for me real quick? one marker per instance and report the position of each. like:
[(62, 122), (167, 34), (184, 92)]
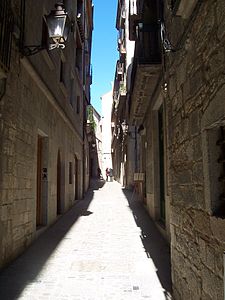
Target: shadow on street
[(155, 245), (25, 269)]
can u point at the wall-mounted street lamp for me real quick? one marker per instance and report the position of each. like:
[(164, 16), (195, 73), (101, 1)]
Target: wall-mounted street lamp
[(58, 27)]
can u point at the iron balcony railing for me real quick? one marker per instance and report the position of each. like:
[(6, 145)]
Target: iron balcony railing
[(119, 70), (148, 45), (80, 26), (6, 29), (147, 50), (119, 67)]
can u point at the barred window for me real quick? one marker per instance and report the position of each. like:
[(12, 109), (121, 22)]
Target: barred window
[(214, 166), (220, 210), (70, 172)]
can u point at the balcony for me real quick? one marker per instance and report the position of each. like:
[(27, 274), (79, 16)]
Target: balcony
[(119, 98), (121, 47), (119, 70), (89, 9), (90, 122), (89, 75), (146, 71), (80, 27), (134, 17)]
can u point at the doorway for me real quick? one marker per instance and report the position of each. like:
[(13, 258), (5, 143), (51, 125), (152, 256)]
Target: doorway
[(42, 180), (161, 163), (39, 185), (59, 207), (76, 171)]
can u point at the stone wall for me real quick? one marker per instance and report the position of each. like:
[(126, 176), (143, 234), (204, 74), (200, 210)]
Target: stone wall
[(35, 104), (195, 106), (23, 117)]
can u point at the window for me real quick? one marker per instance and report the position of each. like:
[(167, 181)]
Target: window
[(2, 87), (79, 7), (78, 104), (220, 209), (6, 28), (214, 173), (62, 72), (70, 173), (213, 148), (79, 60), (72, 94)]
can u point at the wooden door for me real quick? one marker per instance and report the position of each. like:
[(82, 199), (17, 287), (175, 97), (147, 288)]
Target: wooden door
[(161, 164), (58, 184), (76, 178)]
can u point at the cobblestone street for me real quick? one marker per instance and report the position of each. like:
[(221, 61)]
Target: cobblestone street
[(106, 247)]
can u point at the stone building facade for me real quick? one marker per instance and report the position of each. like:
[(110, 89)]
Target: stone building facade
[(195, 103), (107, 100), (95, 139), (44, 152), (122, 140), (177, 106)]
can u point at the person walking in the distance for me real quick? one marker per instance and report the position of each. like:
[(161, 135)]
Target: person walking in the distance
[(107, 173)]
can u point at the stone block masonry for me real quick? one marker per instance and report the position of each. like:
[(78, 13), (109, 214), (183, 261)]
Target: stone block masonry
[(22, 118), (196, 76)]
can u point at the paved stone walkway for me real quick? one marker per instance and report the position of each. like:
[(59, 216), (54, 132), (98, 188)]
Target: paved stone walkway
[(106, 247)]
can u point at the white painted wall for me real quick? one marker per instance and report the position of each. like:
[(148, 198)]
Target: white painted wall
[(107, 100)]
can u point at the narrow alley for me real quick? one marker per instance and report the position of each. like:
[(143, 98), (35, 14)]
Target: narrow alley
[(105, 247)]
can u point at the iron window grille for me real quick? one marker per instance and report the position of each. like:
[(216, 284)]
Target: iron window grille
[(6, 30)]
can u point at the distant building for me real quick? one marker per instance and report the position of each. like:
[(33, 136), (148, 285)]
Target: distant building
[(96, 145), (123, 138), (106, 131)]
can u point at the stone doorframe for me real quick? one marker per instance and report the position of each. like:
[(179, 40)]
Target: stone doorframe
[(158, 101), (43, 219)]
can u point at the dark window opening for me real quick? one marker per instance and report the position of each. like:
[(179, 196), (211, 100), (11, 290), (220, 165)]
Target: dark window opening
[(62, 72), (79, 61), (79, 8), (220, 208), (78, 104), (70, 173), (6, 28), (72, 94)]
